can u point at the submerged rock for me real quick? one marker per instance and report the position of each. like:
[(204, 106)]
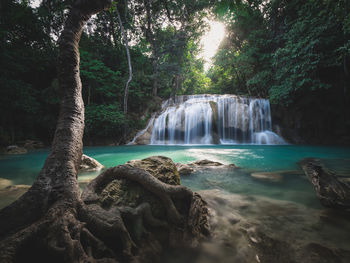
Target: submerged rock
[(332, 191), (206, 162), (184, 169), (14, 149), (314, 252), (89, 164), (187, 169), (250, 229), (268, 176)]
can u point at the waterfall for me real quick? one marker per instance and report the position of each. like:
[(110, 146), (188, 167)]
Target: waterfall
[(214, 119)]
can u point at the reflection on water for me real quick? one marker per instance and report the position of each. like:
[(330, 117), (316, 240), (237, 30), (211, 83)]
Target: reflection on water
[(23, 169), (274, 216), (291, 185)]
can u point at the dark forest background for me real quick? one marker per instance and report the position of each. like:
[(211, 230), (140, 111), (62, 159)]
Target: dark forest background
[(295, 53)]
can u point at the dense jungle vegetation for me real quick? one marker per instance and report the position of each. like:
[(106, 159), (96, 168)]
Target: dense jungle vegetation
[(296, 53)]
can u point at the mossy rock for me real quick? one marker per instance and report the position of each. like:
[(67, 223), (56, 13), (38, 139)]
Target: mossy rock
[(161, 167), (122, 192)]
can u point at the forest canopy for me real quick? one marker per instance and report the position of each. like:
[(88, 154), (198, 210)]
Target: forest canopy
[(293, 52)]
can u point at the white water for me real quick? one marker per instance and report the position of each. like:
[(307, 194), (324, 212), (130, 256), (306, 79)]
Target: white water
[(214, 119)]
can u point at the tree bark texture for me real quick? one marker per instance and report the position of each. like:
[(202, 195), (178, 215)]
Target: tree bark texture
[(50, 204), (53, 223)]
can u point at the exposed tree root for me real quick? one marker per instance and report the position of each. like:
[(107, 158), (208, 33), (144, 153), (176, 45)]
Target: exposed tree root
[(163, 191), (83, 231), (52, 223)]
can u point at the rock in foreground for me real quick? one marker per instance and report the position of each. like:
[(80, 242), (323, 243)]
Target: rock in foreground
[(150, 209), (332, 191)]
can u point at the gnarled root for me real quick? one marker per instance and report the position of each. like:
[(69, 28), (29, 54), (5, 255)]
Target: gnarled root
[(84, 231), (163, 191), (58, 237), (107, 224), (186, 213)]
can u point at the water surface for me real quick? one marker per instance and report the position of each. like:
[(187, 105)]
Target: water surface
[(242, 207), (294, 186)]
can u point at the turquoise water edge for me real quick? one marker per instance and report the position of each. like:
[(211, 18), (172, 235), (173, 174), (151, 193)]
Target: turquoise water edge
[(243, 208), (294, 186)]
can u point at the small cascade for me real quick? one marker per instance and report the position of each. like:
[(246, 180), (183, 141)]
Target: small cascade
[(213, 119)]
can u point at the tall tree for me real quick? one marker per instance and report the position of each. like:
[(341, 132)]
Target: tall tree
[(50, 207), (51, 223), (126, 43)]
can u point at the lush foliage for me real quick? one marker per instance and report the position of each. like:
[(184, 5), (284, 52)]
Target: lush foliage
[(160, 54), (294, 52), (283, 49)]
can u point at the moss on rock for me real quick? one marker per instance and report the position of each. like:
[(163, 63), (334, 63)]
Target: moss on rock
[(127, 193), (163, 168)]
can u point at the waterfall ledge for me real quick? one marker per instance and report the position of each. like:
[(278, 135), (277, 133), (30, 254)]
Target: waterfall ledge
[(211, 119)]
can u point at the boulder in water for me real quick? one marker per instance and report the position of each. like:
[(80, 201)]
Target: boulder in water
[(89, 164), (187, 169), (206, 162), (154, 211), (14, 149), (332, 191), (184, 169)]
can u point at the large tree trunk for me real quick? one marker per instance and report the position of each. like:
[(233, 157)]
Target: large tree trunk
[(51, 203), (51, 222)]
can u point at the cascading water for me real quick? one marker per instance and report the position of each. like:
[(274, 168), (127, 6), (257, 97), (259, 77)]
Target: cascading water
[(213, 119)]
